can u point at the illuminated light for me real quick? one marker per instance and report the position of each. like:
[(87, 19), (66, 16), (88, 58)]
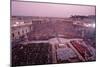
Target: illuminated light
[(89, 25), (61, 44), (14, 25), (86, 25), (21, 22), (93, 25), (17, 22)]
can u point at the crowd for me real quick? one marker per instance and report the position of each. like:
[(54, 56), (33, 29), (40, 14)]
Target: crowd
[(35, 53)]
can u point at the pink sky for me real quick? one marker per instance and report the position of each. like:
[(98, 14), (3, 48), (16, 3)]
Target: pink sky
[(49, 10)]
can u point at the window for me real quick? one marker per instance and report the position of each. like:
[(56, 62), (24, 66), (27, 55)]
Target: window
[(26, 30), (23, 31), (13, 35), (18, 33), (30, 28)]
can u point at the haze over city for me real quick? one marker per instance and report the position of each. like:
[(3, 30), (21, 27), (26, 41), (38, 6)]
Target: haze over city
[(49, 10)]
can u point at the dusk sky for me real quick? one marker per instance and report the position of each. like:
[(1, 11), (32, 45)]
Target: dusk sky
[(49, 10)]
